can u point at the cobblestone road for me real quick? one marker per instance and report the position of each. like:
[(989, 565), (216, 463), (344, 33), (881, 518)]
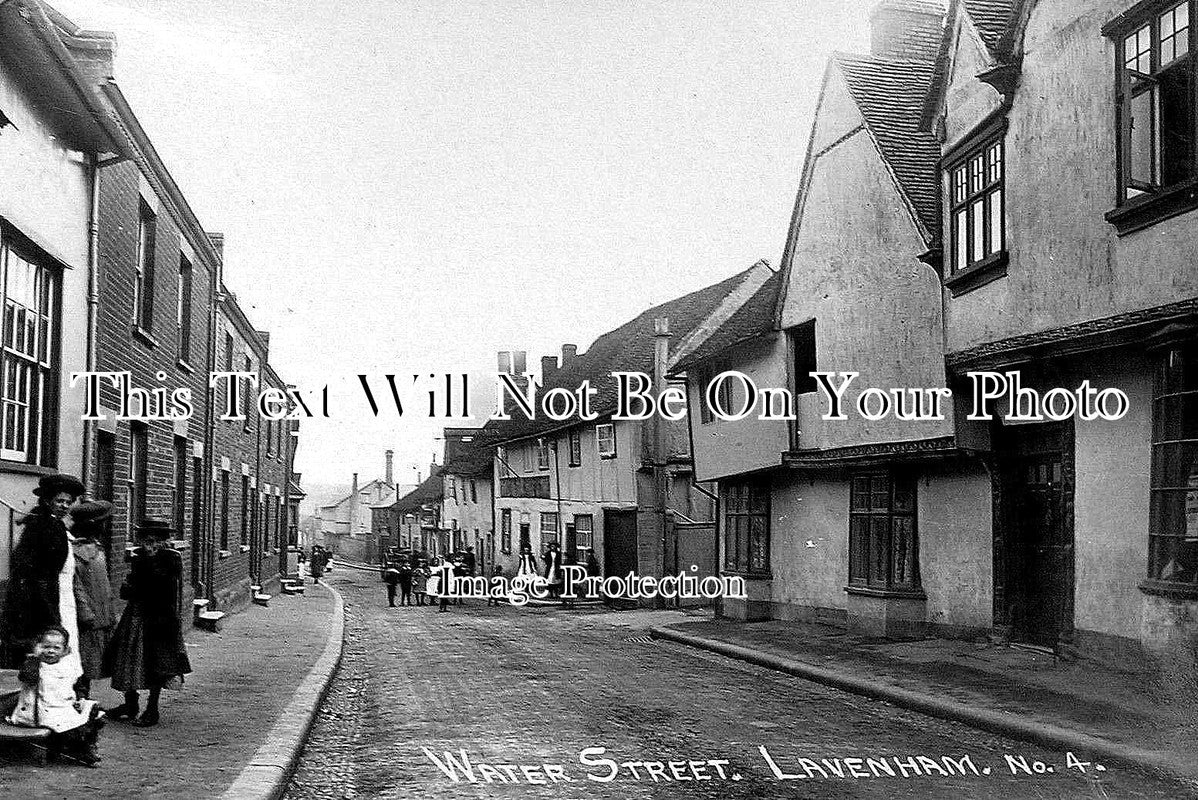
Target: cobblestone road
[(528, 688)]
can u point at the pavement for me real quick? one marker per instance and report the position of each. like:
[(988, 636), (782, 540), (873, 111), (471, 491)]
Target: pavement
[(497, 701), (1144, 718), (235, 727)]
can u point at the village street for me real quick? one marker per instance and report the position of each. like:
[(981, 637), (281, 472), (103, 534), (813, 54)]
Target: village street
[(530, 687)]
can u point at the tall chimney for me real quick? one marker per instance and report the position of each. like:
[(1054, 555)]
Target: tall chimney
[(390, 463), (548, 366), (519, 362), (505, 362), (569, 353), (905, 29)]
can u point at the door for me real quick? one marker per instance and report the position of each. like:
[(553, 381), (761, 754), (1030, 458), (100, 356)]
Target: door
[(619, 542), (1038, 530)]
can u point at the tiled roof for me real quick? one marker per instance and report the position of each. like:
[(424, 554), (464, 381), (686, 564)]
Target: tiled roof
[(920, 39), (469, 458), (629, 348), (890, 94), (992, 18), (754, 318), (430, 491)]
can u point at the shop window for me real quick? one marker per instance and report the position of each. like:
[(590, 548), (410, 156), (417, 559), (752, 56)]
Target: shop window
[(883, 549), (1173, 515)]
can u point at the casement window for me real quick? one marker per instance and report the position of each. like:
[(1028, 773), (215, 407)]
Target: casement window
[(179, 491), (883, 548), (183, 309), (143, 278), (542, 447), (584, 532), (605, 440), (1173, 514), (575, 440), (139, 471), (505, 530), (977, 206), (549, 532), (29, 398), (1156, 121), (746, 526), (224, 510)]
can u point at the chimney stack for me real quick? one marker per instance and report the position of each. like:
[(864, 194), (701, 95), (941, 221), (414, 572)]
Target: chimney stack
[(569, 353), (390, 463), (505, 362), (905, 29), (519, 362), (218, 244), (548, 366)]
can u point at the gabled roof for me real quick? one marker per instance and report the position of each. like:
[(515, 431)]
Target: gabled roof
[(890, 94), (993, 19), (753, 319), (429, 491), (628, 348), (364, 487)]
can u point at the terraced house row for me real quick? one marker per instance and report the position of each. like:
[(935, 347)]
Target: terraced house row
[(104, 267)]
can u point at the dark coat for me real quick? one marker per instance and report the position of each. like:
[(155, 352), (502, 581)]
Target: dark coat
[(31, 603), (147, 650), (93, 607)]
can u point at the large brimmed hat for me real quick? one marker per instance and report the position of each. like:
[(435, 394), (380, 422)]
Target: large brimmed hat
[(50, 485), (158, 529), (91, 512)]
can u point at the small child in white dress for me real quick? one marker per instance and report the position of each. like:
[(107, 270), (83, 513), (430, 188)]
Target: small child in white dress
[(48, 700)]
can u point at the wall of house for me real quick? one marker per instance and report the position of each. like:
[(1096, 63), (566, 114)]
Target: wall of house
[(45, 195), (723, 448), (1065, 106), (877, 309), (956, 546)]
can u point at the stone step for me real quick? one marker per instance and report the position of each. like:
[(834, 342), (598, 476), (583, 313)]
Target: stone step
[(210, 620), (293, 587), (261, 599)]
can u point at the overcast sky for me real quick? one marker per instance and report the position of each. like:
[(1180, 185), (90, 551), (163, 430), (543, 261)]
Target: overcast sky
[(410, 187)]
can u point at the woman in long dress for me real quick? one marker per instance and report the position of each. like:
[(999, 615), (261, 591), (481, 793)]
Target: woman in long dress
[(147, 650), (41, 591)]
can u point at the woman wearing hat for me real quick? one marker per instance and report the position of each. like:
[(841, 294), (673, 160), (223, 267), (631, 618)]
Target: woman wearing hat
[(90, 529), (41, 591), (147, 650)]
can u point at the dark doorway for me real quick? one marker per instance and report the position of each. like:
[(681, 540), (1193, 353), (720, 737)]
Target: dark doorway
[(1034, 541), (619, 542)]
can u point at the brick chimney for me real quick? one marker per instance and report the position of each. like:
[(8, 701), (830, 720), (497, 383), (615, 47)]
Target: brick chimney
[(514, 363), (505, 362), (548, 366), (905, 29), (569, 353), (390, 455)]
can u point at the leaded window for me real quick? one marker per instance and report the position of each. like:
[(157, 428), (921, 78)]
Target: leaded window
[(883, 548), (747, 526)]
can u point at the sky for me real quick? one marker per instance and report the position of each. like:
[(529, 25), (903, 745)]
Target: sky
[(410, 186)]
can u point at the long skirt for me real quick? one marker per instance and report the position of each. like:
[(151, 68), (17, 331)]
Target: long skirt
[(146, 653), (92, 644)]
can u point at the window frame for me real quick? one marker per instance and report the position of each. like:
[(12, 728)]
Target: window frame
[(747, 500), (550, 536), (40, 361), (1156, 203), (143, 277), (580, 532), (613, 452), (179, 489), (184, 307), (868, 512), (574, 444), (505, 531), (542, 454), (992, 181), (1173, 435), (139, 472)]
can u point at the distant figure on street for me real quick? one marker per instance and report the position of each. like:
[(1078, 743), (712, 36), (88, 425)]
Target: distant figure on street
[(317, 563), (405, 582), (442, 576), (391, 579), (496, 572), (469, 562), (553, 570), (528, 562), (91, 529), (420, 576), (147, 650)]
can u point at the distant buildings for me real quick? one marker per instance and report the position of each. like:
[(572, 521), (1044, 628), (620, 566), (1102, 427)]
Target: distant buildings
[(346, 526)]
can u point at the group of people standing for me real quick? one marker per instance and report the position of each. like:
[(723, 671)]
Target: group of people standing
[(410, 576), (60, 629)]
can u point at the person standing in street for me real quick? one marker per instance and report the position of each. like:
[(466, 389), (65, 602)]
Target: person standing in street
[(553, 570), (469, 562), (91, 530), (405, 582), (420, 576), (443, 575), (147, 649), (391, 579)]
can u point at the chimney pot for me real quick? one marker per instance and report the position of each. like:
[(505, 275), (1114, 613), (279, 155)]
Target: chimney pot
[(390, 463), (569, 353), (548, 366)]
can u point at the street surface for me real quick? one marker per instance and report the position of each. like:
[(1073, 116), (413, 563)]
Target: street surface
[(531, 695)]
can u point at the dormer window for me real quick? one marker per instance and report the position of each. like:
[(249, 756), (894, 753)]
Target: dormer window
[(977, 206), (1155, 80)]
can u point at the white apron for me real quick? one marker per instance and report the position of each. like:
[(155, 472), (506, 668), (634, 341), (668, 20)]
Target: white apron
[(67, 612), (51, 704)]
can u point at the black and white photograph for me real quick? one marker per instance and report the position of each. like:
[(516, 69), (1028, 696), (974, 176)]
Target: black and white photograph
[(669, 399)]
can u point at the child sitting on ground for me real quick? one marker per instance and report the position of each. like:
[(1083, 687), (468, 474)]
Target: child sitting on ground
[(47, 700)]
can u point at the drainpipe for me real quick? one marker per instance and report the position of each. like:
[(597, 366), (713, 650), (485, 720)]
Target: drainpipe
[(93, 295), (661, 351)]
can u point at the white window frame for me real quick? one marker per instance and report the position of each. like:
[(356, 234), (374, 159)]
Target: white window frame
[(29, 356), (605, 431)]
